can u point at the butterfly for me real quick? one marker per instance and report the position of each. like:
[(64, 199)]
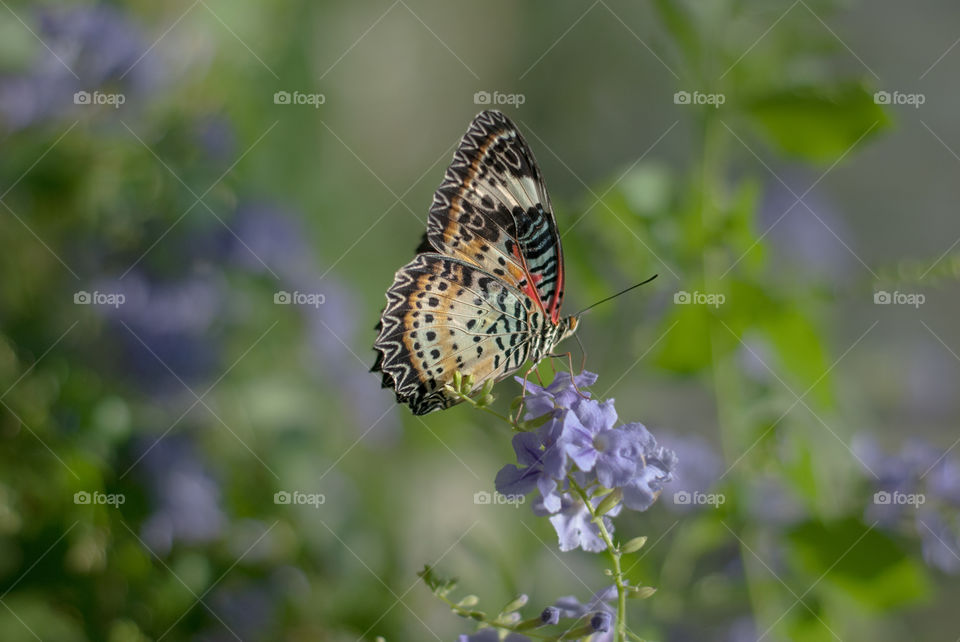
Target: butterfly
[(483, 294)]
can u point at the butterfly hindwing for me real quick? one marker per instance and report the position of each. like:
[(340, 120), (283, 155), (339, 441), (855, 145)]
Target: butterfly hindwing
[(445, 315), (492, 210)]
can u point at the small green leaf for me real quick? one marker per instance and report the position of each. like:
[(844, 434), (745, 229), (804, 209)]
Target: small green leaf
[(865, 562), (818, 124)]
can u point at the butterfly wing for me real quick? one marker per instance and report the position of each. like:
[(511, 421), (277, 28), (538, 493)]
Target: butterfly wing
[(492, 210), (444, 315)]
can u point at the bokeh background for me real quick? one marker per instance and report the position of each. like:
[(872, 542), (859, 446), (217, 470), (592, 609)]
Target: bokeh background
[(156, 391)]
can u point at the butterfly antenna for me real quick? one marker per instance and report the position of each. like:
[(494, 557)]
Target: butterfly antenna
[(614, 296)]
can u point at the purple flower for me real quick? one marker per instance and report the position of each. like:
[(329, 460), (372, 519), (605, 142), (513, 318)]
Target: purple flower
[(582, 426), (598, 609), (543, 467), (601, 621), (571, 607), (657, 470), (573, 523), (581, 432), (559, 394), (550, 616)]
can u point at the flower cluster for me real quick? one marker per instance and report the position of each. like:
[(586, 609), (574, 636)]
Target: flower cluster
[(579, 454)]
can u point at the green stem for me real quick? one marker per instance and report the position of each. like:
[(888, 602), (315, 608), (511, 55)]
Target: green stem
[(614, 553), (472, 402)]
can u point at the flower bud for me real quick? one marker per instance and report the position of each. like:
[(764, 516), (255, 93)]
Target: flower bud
[(609, 502), (641, 592), (515, 604), (633, 545)]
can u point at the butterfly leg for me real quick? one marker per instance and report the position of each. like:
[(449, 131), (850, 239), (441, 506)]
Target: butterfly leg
[(523, 395), (569, 357)]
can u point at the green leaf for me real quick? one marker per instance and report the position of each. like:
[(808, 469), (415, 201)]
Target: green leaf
[(680, 24), (439, 585), (867, 564), (818, 124)]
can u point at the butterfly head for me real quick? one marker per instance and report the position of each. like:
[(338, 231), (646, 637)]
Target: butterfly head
[(567, 327)]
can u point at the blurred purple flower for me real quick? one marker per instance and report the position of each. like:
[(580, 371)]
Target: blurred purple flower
[(272, 236), (185, 498), (84, 48), (804, 238), (698, 468), (918, 488), (175, 321), (249, 611), (940, 540)]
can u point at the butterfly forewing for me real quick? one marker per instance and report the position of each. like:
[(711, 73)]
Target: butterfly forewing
[(493, 210)]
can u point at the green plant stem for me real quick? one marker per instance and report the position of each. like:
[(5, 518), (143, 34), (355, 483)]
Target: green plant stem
[(472, 402), (614, 553)]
